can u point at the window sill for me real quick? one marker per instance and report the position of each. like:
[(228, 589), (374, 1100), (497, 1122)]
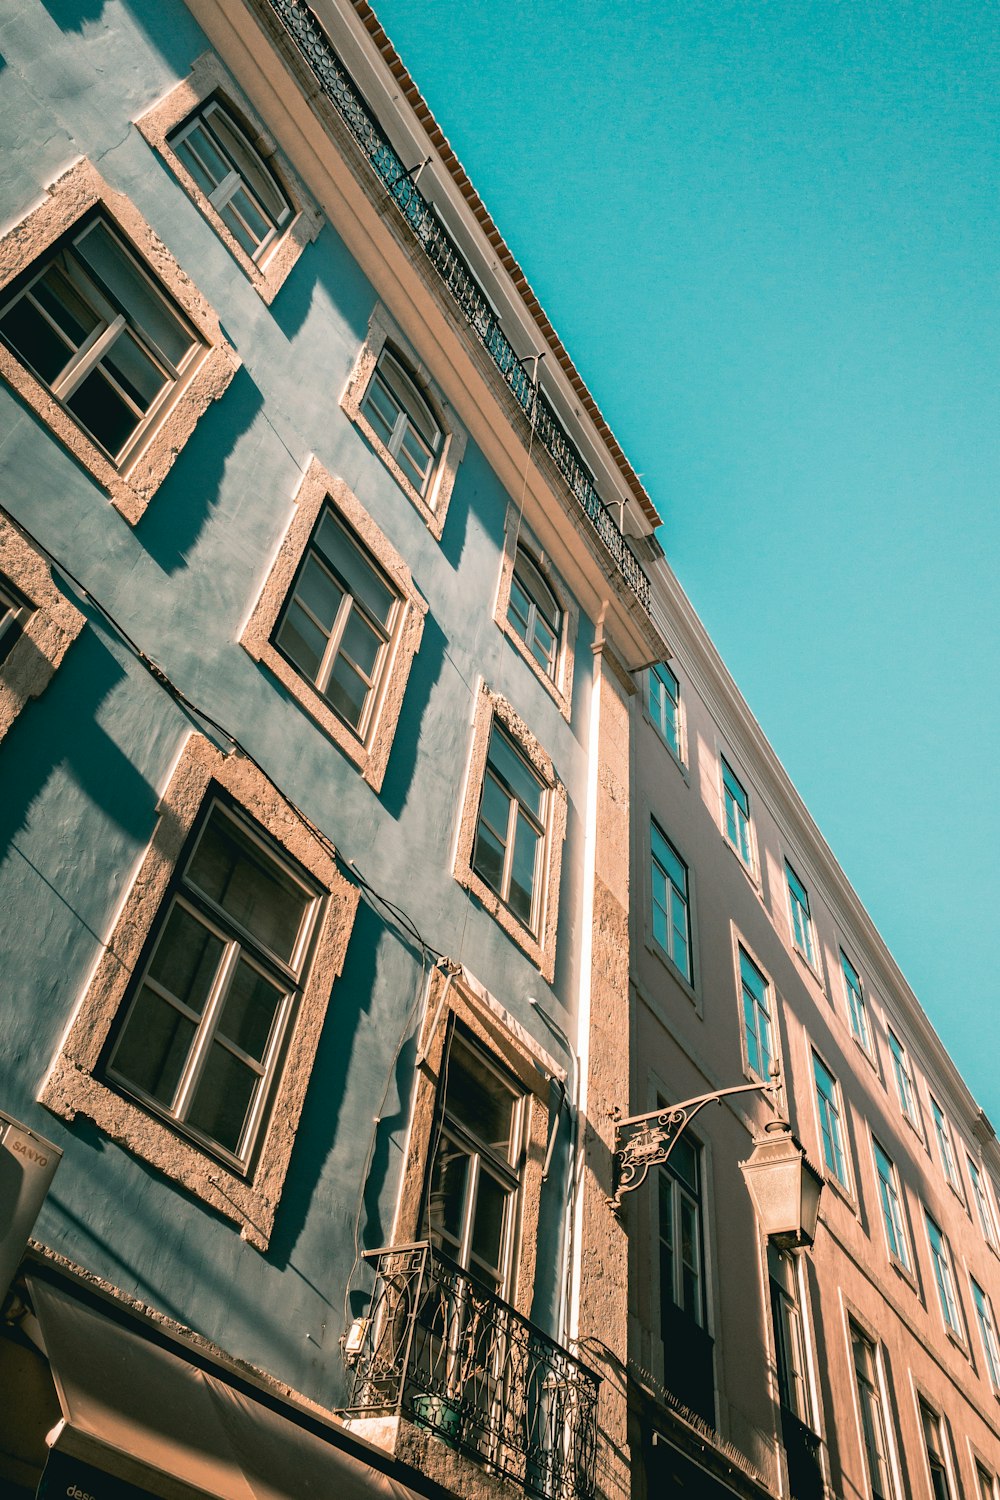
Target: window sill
[(677, 760), (750, 871), (810, 968), (958, 1341), (904, 1273), (865, 1053), (843, 1193), (679, 978)]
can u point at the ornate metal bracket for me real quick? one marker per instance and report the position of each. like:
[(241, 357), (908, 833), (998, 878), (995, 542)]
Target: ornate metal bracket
[(644, 1141)]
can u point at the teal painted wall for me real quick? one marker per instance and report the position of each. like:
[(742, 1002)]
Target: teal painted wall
[(81, 770)]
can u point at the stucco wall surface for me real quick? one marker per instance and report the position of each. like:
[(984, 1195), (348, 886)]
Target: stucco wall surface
[(84, 766)]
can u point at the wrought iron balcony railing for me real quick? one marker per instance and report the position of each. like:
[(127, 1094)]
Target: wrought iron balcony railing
[(447, 259), (446, 1351)]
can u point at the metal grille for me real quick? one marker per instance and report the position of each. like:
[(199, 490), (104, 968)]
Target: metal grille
[(450, 264), (459, 1361)]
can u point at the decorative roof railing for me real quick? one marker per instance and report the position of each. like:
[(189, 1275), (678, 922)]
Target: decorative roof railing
[(459, 1361), (447, 259)]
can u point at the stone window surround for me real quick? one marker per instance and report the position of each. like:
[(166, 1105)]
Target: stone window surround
[(433, 506), (132, 487), (371, 754), (541, 946), (73, 1085), (207, 77), (46, 634), (460, 998), (560, 688)]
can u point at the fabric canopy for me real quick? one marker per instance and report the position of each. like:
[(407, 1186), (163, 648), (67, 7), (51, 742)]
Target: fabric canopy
[(145, 1416)]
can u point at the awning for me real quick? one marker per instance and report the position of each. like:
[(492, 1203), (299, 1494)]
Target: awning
[(160, 1426)]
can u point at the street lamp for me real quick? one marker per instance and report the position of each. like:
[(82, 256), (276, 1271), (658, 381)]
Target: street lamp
[(784, 1187)]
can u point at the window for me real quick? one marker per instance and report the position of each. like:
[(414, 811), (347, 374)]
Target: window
[(757, 1022), (99, 347), (984, 1208), (872, 1408), (987, 1483), (798, 902), (242, 188), (475, 1176), (204, 129), (510, 835), (402, 420), (941, 1260), (687, 1347), (193, 1043), (206, 1025), (536, 612), (988, 1333), (511, 830), (37, 624), (856, 1007), (830, 1121), (411, 427), (892, 1207), (934, 1447), (943, 1133), (789, 1343), (665, 705), (99, 334), (339, 621), (904, 1081), (736, 805), (533, 613), (671, 912)]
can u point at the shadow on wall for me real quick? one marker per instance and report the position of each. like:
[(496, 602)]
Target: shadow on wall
[(183, 505), (326, 267), (410, 731), (316, 1136), (61, 728), (174, 35)]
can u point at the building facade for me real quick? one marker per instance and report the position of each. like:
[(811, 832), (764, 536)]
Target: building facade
[(378, 823)]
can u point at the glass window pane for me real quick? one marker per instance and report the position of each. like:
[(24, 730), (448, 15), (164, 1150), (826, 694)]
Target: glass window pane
[(154, 1046), (380, 409), (127, 286), (488, 1223), (187, 958), (64, 304), (250, 1009), (320, 593), (244, 222), (446, 1204), (223, 1098), (361, 644), (360, 575), (99, 408), (203, 159), (35, 341), (479, 1099), (129, 364), (347, 692), (235, 873), (527, 842), (488, 858), (249, 165), (302, 640), (518, 775), (518, 608)]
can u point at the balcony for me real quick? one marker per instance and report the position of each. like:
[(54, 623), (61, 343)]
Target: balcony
[(445, 1352), (803, 1451), (443, 254)]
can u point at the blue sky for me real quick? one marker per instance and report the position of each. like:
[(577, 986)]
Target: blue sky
[(768, 235)]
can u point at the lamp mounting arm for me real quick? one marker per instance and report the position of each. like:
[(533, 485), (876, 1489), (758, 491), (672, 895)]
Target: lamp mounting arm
[(644, 1141)]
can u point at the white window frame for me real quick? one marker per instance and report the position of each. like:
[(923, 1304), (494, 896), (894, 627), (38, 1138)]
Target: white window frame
[(945, 1144), (669, 1180), (984, 1207), (207, 83), (986, 1318), (800, 920), (905, 1087), (676, 898), (892, 1210), (76, 1083), (239, 944), (944, 1277), (507, 837), (832, 1123), (132, 478), (857, 1005), (663, 708), (762, 1006), (736, 815), (877, 1385), (224, 191), (923, 1405)]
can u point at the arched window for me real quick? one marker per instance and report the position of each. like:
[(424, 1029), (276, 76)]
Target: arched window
[(242, 188), (534, 613), (402, 420)]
